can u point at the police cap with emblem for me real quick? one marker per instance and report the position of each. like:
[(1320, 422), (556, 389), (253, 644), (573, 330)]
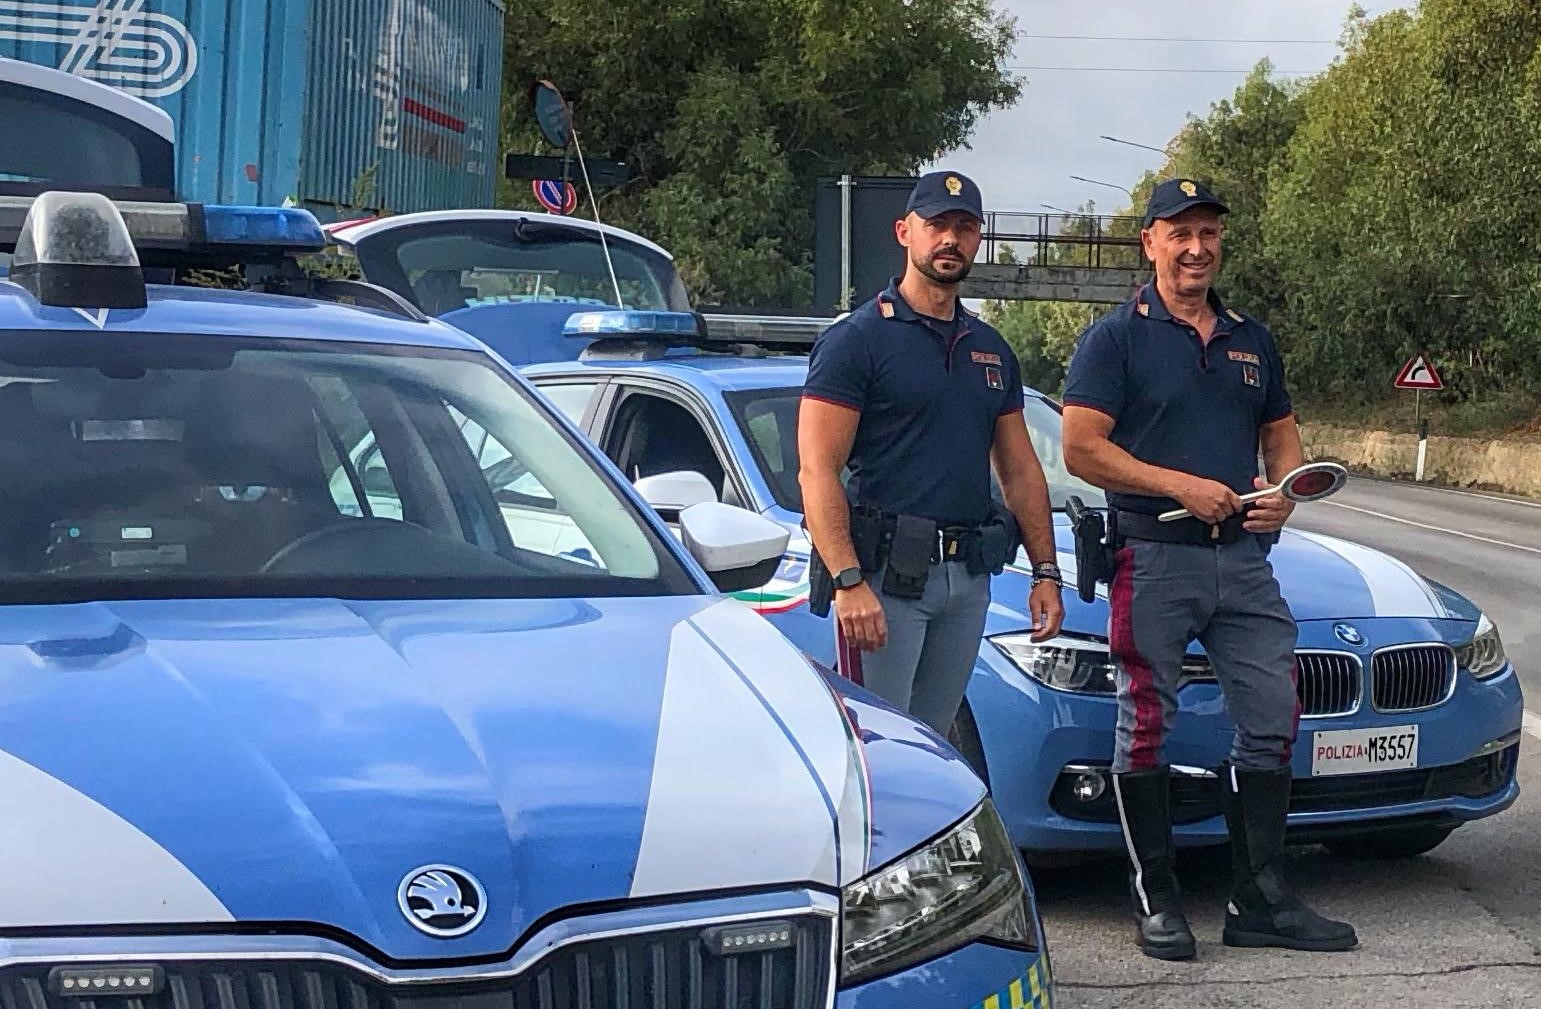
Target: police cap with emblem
[(939, 192), (1173, 196)]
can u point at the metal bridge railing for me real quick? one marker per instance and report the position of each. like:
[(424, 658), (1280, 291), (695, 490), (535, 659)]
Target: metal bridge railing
[(1072, 240)]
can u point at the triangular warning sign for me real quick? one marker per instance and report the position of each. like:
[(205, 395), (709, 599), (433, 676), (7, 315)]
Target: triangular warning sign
[(1418, 373)]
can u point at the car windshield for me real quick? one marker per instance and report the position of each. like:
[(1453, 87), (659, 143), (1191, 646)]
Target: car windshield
[(768, 419), (177, 465), (447, 265)]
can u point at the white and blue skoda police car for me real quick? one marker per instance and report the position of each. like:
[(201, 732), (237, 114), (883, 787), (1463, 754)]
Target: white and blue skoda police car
[(452, 722)]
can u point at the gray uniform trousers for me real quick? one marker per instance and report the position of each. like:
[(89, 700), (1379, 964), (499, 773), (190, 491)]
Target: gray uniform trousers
[(1165, 595), (932, 644)]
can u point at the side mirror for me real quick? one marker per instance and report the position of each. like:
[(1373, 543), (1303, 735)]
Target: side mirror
[(674, 492), (739, 549)]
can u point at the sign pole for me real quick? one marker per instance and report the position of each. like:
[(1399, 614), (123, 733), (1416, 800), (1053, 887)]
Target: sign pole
[(846, 182)]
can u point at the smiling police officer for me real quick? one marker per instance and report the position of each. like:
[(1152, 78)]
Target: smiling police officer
[(1169, 400), (918, 397)]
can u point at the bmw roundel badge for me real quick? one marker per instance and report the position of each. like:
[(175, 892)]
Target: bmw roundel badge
[(1348, 634), (442, 901)]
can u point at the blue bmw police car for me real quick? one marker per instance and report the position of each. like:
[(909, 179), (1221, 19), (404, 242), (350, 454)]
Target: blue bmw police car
[(339, 669), (1411, 712)]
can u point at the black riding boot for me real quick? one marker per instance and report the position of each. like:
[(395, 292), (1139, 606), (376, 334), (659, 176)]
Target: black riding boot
[(1263, 911), (1145, 809)]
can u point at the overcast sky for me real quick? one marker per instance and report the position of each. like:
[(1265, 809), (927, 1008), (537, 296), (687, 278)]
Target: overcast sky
[(1024, 156)]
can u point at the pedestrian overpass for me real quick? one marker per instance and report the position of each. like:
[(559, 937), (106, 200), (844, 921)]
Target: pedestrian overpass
[(1058, 257)]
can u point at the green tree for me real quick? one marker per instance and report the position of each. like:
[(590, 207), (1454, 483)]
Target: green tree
[(1409, 214), (728, 112)]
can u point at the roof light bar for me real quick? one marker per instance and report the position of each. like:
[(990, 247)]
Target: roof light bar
[(627, 325), (214, 231)]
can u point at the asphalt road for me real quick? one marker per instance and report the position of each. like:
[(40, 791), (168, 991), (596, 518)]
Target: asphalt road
[(1459, 927)]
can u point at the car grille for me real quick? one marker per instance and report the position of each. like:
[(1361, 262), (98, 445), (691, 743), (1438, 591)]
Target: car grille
[(1407, 679), (679, 969), (1329, 683)]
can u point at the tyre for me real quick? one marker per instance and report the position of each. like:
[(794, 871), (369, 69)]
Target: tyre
[(964, 738), (1407, 842)]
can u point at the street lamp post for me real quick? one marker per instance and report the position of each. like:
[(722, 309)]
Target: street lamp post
[(1110, 185), (1131, 143)]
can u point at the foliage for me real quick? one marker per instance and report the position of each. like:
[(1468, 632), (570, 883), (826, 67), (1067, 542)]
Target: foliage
[(1388, 205), (728, 112)]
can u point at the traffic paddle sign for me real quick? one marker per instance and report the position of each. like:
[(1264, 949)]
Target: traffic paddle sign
[(557, 197), (1418, 373)]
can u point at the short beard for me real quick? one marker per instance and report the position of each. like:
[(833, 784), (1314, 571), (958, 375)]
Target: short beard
[(929, 269)]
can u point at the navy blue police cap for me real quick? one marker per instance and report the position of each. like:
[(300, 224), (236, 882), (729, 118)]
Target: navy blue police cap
[(939, 192), (1173, 196)]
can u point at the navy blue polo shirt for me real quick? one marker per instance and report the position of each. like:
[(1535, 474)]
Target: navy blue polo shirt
[(1175, 402), (929, 392)]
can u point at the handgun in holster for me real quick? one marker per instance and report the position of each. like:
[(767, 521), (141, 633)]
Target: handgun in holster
[(1096, 546)]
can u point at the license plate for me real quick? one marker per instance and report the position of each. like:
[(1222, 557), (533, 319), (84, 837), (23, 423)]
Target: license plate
[(1361, 751)]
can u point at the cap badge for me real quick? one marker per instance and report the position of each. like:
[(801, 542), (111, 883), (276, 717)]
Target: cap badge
[(1188, 188), (954, 185)]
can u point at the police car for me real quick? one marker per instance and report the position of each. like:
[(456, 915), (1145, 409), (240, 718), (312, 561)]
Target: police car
[(339, 669), (1410, 710)]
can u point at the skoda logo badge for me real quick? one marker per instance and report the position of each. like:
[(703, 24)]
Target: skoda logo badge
[(1348, 634), (442, 901)]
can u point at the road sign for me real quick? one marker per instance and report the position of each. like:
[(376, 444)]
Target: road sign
[(557, 197), (1418, 373), (601, 174)]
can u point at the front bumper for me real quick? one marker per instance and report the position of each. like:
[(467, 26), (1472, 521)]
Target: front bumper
[(1468, 751), (641, 956), (975, 977)]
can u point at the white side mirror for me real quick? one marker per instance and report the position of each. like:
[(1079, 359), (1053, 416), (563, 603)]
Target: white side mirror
[(739, 549), (676, 491)]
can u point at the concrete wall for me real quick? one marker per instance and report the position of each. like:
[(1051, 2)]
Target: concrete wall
[(1509, 467)]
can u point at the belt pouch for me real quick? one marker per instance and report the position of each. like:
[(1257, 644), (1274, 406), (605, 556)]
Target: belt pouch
[(909, 557)]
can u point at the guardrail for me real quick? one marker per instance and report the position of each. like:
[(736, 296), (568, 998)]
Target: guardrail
[(1085, 240)]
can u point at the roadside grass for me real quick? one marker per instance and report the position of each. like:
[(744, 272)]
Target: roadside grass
[(1514, 416)]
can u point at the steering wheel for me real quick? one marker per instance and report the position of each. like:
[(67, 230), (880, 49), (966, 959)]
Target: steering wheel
[(386, 548), (332, 531)]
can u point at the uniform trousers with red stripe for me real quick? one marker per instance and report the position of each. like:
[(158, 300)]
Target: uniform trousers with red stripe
[(1166, 595)]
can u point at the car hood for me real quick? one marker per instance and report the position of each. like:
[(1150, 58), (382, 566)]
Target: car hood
[(1321, 577), (293, 762)]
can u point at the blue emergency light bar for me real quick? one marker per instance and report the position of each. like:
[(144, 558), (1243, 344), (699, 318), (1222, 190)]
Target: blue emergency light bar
[(84, 250), (648, 335), (634, 325), (174, 234)]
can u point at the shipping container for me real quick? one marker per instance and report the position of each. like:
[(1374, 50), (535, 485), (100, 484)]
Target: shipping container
[(307, 101)]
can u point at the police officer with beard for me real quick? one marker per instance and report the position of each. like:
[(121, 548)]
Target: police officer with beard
[(1168, 402), (919, 397)]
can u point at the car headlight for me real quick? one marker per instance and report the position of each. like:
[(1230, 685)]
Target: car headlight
[(967, 886), (1072, 664), (1483, 656), (1081, 665)]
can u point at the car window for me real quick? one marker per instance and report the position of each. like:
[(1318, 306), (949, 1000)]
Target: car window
[(572, 398), (196, 465), (653, 435), (768, 419), (443, 266)]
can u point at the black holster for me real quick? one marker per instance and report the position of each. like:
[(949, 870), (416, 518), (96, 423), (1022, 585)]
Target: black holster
[(1096, 546), (997, 543), (871, 535), (821, 584)]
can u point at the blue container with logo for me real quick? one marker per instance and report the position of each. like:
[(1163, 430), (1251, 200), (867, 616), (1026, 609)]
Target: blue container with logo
[(342, 106)]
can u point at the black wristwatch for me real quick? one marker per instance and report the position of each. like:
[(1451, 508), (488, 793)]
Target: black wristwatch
[(1047, 571), (849, 578)]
